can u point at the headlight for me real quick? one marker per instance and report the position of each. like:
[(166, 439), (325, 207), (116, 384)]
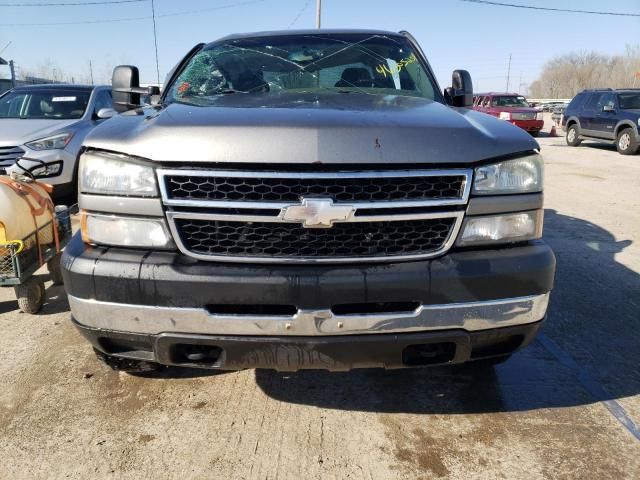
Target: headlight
[(125, 231), (540, 116), (495, 229), (505, 116), (521, 175), (113, 174), (55, 142)]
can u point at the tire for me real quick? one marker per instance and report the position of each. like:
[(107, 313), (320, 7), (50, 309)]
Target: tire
[(55, 270), (573, 136), (625, 143), (126, 364), (534, 133), (30, 295)]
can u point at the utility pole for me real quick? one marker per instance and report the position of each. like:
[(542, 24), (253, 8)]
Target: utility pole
[(91, 71), (318, 13), (13, 73), (155, 39), (508, 72)]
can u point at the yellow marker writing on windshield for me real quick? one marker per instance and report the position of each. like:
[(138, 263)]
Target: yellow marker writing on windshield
[(385, 70)]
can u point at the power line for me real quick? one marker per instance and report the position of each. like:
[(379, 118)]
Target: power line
[(299, 14), (514, 5), (131, 19), (6, 46), (69, 4)]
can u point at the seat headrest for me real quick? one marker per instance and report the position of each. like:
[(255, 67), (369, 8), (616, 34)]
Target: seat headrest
[(355, 74), (46, 107)]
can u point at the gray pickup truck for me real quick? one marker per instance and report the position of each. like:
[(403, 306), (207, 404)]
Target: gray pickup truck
[(307, 200)]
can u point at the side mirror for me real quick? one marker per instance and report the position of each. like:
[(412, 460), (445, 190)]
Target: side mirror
[(608, 108), (125, 88), (460, 94), (105, 113)]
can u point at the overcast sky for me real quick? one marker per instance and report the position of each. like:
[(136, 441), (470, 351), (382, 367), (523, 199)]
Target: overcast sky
[(453, 33)]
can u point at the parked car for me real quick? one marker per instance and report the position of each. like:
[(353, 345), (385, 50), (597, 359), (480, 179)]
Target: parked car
[(44, 126), (511, 107), (604, 115), (307, 199)]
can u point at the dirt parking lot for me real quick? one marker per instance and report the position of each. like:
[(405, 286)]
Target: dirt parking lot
[(567, 406)]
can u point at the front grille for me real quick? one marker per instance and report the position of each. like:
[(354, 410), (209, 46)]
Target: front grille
[(10, 154), (291, 189), (523, 116), (317, 216), (287, 240)]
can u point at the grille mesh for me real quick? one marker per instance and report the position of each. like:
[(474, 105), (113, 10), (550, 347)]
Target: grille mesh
[(285, 240), (266, 189), (10, 154), (523, 116)]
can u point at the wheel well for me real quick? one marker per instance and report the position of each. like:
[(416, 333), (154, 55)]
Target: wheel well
[(622, 127), (571, 122)]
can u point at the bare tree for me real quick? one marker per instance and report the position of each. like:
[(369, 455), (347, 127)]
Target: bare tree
[(566, 75)]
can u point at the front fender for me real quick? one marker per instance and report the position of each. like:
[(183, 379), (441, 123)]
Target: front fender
[(568, 121), (627, 123)]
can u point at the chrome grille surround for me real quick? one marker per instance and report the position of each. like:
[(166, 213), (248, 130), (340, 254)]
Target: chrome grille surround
[(235, 187), (523, 116), (249, 212)]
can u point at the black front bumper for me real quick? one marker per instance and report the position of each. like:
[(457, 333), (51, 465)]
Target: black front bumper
[(169, 279), (335, 353)]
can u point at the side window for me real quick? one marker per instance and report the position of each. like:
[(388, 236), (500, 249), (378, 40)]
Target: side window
[(577, 102), (12, 107), (593, 102), (608, 100), (103, 100), (486, 102), (479, 101)]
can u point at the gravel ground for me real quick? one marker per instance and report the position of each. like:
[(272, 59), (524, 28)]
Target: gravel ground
[(558, 409)]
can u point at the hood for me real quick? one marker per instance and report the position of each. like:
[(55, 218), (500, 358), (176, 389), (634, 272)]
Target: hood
[(336, 128), (17, 131)]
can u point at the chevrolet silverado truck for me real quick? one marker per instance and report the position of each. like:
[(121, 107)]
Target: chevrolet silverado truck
[(307, 200)]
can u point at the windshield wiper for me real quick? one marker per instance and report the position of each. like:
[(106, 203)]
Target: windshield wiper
[(226, 91)]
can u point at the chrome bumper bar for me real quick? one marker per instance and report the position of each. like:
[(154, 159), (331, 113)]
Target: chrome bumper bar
[(154, 320)]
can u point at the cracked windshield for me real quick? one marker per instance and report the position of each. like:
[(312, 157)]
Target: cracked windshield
[(350, 63)]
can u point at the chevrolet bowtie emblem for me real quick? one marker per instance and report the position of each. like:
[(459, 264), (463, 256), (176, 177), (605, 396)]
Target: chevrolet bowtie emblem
[(317, 213)]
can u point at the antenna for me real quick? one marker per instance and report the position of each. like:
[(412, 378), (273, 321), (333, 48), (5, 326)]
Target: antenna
[(155, 38)]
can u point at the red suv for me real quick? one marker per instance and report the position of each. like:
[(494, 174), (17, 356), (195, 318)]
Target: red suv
[(511, 107)]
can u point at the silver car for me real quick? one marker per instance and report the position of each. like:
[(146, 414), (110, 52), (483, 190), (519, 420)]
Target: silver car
[(44, 126)]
